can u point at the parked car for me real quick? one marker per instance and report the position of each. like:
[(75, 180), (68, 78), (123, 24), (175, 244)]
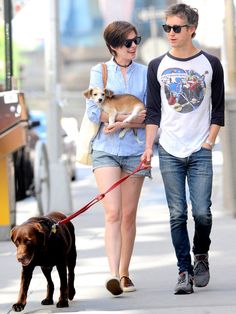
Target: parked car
[(24, 158)]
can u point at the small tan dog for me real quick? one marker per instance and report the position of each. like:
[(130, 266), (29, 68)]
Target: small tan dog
[(114, 104)]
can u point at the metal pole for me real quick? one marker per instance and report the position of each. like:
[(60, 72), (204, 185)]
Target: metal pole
[(60, 197), (52, 82)]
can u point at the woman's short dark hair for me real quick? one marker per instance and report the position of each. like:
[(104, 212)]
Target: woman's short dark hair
[(184, 11), (116, 33)]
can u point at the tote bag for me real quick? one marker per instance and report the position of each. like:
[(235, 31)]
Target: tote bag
[(88, 131)]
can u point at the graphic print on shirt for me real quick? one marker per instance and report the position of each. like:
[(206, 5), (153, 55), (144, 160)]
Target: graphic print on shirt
[(184, 89)]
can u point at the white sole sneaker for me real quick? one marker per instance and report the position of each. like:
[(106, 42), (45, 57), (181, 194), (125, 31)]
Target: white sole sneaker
[(127, 285), (113, 286)]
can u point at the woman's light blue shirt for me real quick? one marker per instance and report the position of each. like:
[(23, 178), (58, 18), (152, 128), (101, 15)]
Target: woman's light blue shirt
[(135, 84)]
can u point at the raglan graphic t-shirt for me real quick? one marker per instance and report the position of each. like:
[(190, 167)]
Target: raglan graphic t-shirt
[(184, 97)]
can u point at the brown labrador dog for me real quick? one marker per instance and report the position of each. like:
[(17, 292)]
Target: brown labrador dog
[(37, 245)]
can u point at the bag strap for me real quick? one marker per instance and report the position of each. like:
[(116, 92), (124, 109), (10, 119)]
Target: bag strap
[(104, 74)]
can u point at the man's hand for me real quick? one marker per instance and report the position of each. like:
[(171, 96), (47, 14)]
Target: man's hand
[(147, 156), (207, 146)]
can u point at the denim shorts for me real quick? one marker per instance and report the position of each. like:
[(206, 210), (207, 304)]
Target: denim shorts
[(126, 163)]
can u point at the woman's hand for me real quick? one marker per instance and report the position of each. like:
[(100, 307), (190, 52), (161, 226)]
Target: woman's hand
[(140, 117), (108, 129)]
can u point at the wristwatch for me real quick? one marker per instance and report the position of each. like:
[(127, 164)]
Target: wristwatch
[(210, 143)]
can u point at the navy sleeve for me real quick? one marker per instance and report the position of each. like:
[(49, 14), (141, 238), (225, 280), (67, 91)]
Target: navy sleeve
[(217, 91), (153, 93)]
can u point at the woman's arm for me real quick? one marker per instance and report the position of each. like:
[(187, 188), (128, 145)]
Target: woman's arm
[(137, 122), (120, 125), (139, 119)]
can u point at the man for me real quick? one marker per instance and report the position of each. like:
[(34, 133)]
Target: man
[(185, 98)]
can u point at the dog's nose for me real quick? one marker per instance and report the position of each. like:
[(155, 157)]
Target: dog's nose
[(100, 100), (24, 260), (20, 259)]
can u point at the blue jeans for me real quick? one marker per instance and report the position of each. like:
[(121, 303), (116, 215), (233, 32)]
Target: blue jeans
[(196, 170)]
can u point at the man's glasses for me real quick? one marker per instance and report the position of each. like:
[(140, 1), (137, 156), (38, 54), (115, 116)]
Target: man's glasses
[(128, 42), (176, 28)]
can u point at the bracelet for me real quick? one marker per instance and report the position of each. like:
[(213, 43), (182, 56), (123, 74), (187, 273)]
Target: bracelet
[(210, 143)]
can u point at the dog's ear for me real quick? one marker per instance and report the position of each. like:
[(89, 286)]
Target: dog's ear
[(12, 233), (40, 233), (108, 93), (38, 227), (87, 93)]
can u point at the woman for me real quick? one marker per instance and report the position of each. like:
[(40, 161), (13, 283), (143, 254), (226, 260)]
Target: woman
[(113, 158)]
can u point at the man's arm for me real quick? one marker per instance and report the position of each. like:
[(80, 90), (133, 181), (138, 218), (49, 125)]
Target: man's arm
[(153, 109), (210, 141), (151, 131)]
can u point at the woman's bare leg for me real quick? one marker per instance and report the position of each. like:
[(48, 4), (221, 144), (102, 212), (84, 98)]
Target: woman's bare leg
[(105, 177), (130, 190)]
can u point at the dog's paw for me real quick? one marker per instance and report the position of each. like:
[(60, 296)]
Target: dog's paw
[(47, 302), (18, 307), (71, 293), (63, 303), (122, 133)]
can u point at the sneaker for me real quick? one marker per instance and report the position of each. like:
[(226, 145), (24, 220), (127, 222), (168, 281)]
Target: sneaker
[(113, 286), (126, 284), (201, 270), (184, 284)]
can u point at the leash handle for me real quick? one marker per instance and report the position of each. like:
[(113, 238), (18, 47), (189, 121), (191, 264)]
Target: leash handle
[(99, 197)]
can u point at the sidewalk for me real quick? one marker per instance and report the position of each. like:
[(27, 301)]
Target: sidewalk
[(153, 266)]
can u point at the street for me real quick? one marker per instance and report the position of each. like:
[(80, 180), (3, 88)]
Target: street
[(153, 267)]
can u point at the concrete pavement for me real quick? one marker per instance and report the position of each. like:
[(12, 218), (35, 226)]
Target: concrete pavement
[(153, 266)]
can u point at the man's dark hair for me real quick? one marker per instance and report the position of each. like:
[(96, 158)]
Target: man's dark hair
[(184, 11)]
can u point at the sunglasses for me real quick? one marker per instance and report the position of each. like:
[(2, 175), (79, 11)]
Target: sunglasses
[(176, 28), (128, 42)]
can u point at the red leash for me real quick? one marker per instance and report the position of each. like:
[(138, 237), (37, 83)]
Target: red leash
[(99, 197)]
